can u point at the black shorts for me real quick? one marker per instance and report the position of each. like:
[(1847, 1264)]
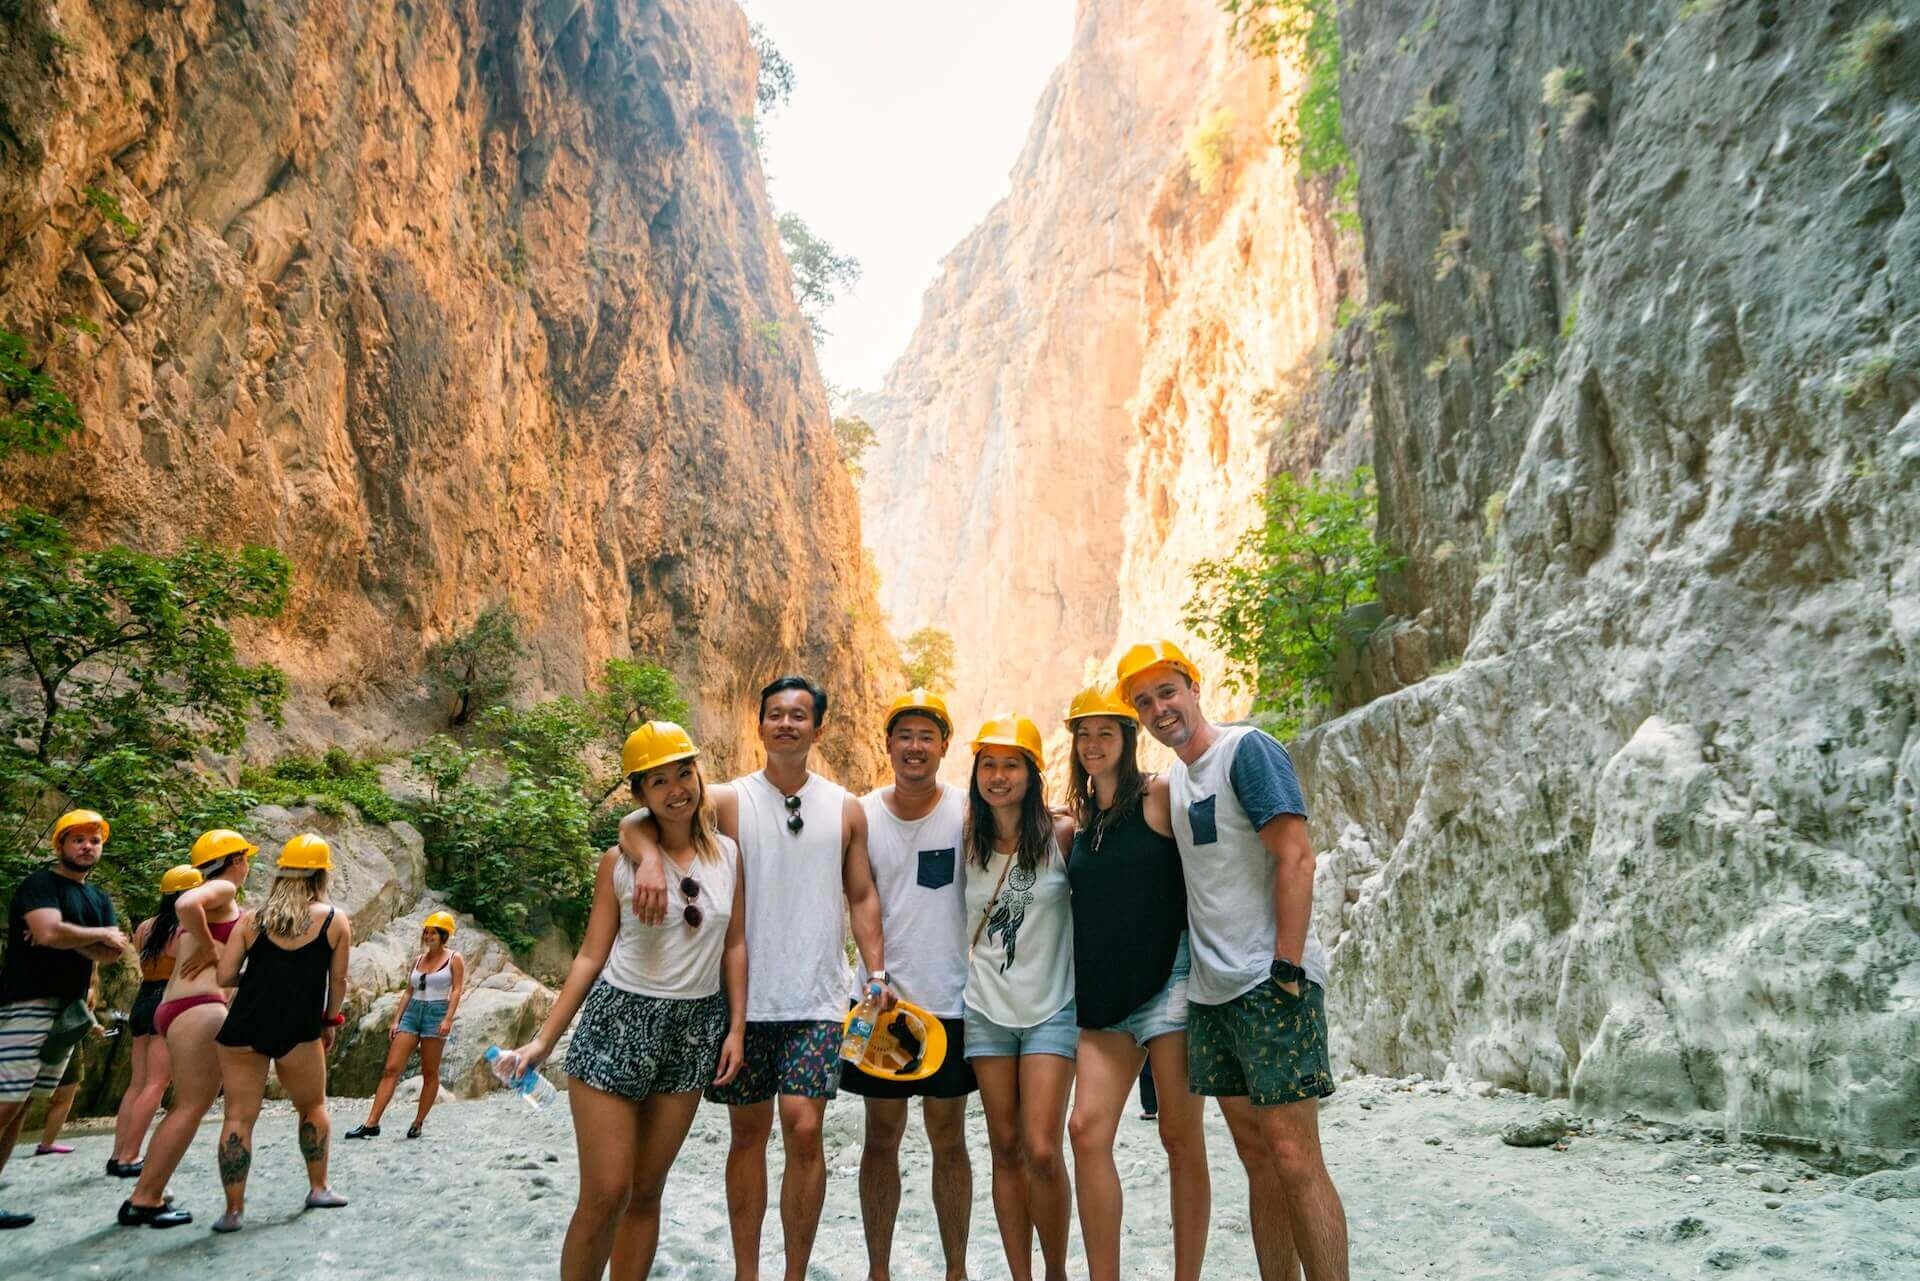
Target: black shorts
[(145, 1002), (954, 1080)]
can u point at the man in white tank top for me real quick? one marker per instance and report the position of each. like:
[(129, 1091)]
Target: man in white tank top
[(803, 848), (1256, 1013), (914, 844)]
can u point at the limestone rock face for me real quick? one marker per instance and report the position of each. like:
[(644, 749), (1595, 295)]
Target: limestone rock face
[(455, 304), (1653, 843)]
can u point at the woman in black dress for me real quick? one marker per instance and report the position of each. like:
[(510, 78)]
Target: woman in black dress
[(1130, 980), (285, 1013)]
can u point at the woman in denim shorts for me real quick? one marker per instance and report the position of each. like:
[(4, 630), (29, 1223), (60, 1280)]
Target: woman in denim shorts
[(1130, 967), (423, 1018), (1020, 1029)]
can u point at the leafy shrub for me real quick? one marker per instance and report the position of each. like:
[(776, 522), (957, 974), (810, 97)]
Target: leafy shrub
[(854, 435), (927, 658), (1515, 374), (1430, 120), (105, 204), (1273, 607), (1209, 147), (36, 417), (820, 271), (323, 782), (1308, 32)]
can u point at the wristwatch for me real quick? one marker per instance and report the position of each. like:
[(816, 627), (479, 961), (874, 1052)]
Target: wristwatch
[(1285, 971), (881, 976)]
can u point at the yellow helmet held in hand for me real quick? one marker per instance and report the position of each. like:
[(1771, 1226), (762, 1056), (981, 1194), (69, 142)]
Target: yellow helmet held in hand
[(1008, 730), (655, 744), (1100, 700), (1160, 653), (306, 853), (925, 702), (218, 844), (77, 818), (442, 921), (184, 877), (907, 1044)]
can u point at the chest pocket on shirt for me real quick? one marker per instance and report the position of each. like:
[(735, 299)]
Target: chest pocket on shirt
[(936, 869), (1200, 818)]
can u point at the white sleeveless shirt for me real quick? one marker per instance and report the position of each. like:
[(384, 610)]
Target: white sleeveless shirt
[(673, 959), (796, 903), (1022, 966), (923, 900)]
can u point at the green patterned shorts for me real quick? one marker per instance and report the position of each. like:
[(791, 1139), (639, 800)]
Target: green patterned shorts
[(1267, 1044)]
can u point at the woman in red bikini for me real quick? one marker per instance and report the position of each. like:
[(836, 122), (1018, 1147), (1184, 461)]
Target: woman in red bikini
[(193, 1008)]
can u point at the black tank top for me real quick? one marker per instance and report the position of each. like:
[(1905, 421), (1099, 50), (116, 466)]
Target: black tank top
[(1129, 910), (282, 997)]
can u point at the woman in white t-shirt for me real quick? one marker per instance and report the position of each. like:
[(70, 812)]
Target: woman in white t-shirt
[(1021, 1032), (657, 1027)]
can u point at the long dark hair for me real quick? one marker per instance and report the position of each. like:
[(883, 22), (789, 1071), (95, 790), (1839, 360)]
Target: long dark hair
[(1130, 788), (1036, 824), (166, 920)]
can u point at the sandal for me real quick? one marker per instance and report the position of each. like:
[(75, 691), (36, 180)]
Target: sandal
[(152, 1216), (51, 1149)]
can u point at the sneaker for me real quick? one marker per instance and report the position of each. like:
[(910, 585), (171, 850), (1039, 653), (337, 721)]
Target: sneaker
[(123, 1169)]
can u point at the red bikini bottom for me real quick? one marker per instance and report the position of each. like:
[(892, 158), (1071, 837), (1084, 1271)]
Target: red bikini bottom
[(170, 1010)]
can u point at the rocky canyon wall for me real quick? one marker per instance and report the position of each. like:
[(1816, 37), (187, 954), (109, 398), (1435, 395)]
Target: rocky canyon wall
[(1646, 425), (1105, 365), (456, 304)]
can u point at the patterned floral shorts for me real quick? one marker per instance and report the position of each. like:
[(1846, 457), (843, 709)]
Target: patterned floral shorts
[(1266, 1044), (636, 1046), (798, 1057)]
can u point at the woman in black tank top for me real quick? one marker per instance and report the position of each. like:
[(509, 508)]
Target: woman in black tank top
[(284, 1013), (1130, 967)]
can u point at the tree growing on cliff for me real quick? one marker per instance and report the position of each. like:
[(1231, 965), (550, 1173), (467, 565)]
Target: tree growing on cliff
[(854, 435), (820, 271), (1274, 606), (36, 417), (117, 669), (477, 666), (927, 657)]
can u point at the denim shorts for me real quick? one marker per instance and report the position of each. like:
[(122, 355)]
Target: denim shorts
[(1166, 1010), (1059, 1036), (422, 1018)]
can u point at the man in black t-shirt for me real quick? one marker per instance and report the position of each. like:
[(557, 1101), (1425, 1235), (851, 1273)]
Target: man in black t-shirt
[(58, 928)]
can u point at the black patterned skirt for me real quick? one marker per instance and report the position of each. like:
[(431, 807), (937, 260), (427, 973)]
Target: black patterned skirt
[(635, 1046)]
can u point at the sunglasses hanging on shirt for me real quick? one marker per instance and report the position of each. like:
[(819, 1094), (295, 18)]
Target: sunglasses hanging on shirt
[(794, 821), (692, 915)]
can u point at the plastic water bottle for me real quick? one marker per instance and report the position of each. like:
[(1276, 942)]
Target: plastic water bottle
[(860, 1027), (529, 1085)]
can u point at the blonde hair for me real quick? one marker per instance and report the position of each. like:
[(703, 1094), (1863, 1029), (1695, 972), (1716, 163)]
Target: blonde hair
[(285, 914)]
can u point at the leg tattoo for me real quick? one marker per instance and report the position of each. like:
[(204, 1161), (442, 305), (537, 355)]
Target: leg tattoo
[(312, 1146), (235, 1160)]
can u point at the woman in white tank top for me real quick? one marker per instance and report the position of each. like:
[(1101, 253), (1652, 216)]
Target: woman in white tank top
[(424, 1018), (657, 1027), (1020, 1028)]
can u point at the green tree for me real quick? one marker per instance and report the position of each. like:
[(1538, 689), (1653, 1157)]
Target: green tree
[(819, 271), (36, 417), (1307, 31), (117, 669), (774, 89), (855, 437), (476, 667), (927, 657), (1273, 607)]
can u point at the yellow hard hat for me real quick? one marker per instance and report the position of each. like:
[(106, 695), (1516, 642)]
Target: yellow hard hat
[(306, 853), (77, 818), (924, 701), (218, 844), (655, 744), (1100, 700), (908, 1044), (183, 877), (1151, 654), (1008, 730), (442, 921)]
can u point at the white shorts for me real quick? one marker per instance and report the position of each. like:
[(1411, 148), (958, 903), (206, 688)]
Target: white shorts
[(23, 1030)]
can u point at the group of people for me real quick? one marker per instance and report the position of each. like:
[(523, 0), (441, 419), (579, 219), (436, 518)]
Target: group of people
[(224, 993), (1151, 918)]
